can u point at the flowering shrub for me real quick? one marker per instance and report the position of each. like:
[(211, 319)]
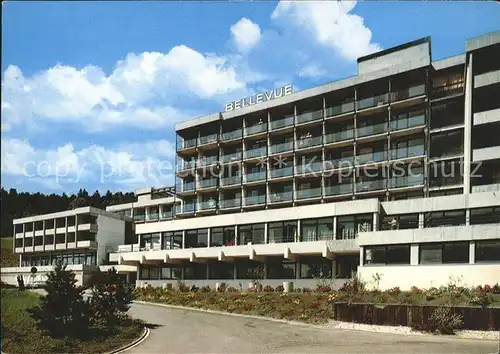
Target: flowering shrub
[(306, 290), (323, 289), (279, 289), (495, 289), (268, 289), (394, 291), (205, 289), (445, 321), (232, 289), (222, 288)]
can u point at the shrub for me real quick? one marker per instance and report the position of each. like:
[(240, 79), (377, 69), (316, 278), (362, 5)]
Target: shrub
[(323, 289), (306, 290), (205, 289), (268, 289), (279, 289), (394, 291), (232, 289), (182, 287), (444, 320), (495, 289), (222, 288), (481, 299)]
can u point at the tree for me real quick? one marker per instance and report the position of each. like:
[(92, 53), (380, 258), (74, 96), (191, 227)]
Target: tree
[(62, 312)]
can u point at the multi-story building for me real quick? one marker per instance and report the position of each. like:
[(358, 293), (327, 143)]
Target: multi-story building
[(80, 238)]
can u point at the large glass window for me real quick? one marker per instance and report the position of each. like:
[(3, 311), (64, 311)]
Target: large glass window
[(488, 251), (390, 254), (278, 268), (346, 266), (348, 227), (253, 233), (445, 218), (172, 240), (197, 238), (222, 236), (282, 231), (452, 252), (249, 269), (315, 267), (149, 272), (195, 271), (221, 270), (489, 215), (151, 241), (317, 229), (171, 272), (400, 222)]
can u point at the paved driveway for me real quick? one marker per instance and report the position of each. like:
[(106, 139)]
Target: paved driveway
[(185, 331)]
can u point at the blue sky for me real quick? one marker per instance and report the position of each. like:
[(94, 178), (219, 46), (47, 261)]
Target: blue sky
[(91, 90)]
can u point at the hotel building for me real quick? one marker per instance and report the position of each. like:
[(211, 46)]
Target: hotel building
[(393, 174)]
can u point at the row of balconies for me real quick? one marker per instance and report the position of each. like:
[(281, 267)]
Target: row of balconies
[(58, 230), (87, 244), (307, 117)]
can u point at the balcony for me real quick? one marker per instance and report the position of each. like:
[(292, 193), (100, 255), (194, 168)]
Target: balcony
[(230, 203), (309, 167), (185, 209), (282, 123), (188, 187), (309, 193), (371, 130), (254, 153), (255, 176), (406, 181), (207, 205), (127, 248), (339, 136), (206, 161), (281, 197), (283, 147), (369, 186), (340, 109), (339, 189), (308, 142), (207, 139), (235, 134), (374, 157), (234, 157), (256, 129), (374, 101), (448, 89), (407, 93), (255, 200), (167, 214), (230, 181), (310, 116), (281, 172), (188, 143), (187, 165), (138, 218), (152, 217), (343, 162), (405, 152), (208, 183), (407, 123)]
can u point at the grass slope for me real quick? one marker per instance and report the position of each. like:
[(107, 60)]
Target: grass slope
[(7, 256), (20, 334)]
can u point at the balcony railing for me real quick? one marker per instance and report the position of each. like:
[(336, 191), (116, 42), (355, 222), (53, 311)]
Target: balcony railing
[(308, 142), (255, 176), (406, 181), (281, 238), (309, 193), (208, 183), (343, 162), (186, 208), (406, 123), (371, 130), (187, 187), (230, 203), (235, 134), (448, 90), (339, 189), (256, 239), (307, 167), (281, 197), (256, 152), (371, 185), (310, 116), (140, 217), (283, 147), (255, 129), (339, 136), (258, 199), (282, 123), (189, 143), (340, 109), (231, 180), (378, 156), (166, 214), (152, 216), (232, 157), (281, 172), (126, 248), (374, 101), (207, 139), (187, 165), (410, 92), (208, 160), (207, 205), (405, 152), (321, 236)]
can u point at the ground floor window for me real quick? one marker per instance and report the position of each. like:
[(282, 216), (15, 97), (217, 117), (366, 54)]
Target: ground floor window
[(390, 254), (53, 258), (172, 240), (346, 266), (196, 238), (253, 233), (248, 269), (222, 236), (315, 267), (316, 229), (221, 270), (488, 251), (452, 252), (282, 232), (171, 272), (195, 271), (280, 269)]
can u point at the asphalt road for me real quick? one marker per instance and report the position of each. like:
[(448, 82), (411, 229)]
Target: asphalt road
[(185, 331)]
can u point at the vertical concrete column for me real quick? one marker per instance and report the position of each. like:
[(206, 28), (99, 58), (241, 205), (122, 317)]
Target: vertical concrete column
[(183, 238), (469, 83), (334, 268), (361, 255), (33, 238), (43, 232), (24, 236), (66, 231), (235, 271), (467, 216), (76, 229), (209, 236), (146, 213), (472, 252), (299, 232), (235, 241), (266, 230), (421, 220), (335, 227), (160, 211), (414, 254), (375, 222)]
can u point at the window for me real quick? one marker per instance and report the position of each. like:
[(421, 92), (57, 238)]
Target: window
[(221, 270), (151, 241), (280, 269), (222, 236), (346, 266), (249, 269), (400, 222), (317, 229), (282, 232), (485, 216), (91, 258), (488, 251), (452, 252), (171, 272), (315, 267), (195, 271), (445, 218), (390, 254), (348, 227), (172, 240), (253, 233), (196, 238)]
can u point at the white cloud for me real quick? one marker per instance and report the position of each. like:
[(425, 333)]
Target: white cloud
[(246, 34), (311, 71), (331, 23), (130, 165)]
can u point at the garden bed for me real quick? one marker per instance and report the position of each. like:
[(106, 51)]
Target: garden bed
[(21, 335)]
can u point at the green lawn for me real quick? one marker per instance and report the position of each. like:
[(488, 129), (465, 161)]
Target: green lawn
[(7, 256), (20, 334)]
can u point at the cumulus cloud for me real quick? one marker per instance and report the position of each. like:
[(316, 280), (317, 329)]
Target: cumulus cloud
[(245, 34), (129, 165), (332, 24)]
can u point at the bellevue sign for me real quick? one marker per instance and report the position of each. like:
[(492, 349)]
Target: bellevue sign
[(259, 98)]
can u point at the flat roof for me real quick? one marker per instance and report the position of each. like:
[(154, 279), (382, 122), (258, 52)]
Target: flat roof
[(397, 48), (77, 211)]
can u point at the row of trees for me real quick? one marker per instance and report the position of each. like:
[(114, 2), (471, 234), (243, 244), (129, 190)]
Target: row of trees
[(17, 205), (65, 312)]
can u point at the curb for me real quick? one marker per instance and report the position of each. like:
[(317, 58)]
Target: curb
[(135, 343), (327, 326)]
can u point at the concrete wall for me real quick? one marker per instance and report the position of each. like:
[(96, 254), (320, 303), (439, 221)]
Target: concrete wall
[(486, 117), (484, 154), (426, 276), (9, 274), (489, 78), (110, 234)]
